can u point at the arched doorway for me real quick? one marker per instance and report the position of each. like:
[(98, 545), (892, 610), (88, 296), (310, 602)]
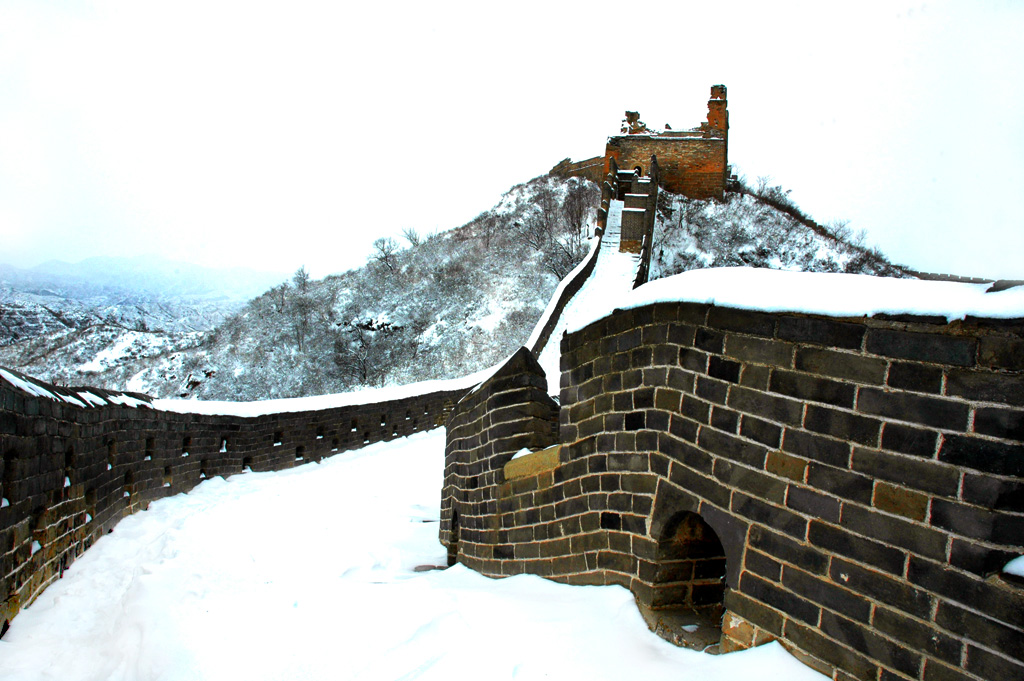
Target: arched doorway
[(689, 586)]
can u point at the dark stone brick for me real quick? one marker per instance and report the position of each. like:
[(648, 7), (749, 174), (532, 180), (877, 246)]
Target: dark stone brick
[(754, 482), (788, 550), (693, 457), (841, 483), (724, 419), (986, 386), (753, 611), (824, 648), (881, 587), (712, 390), (682, 427), (694, 408), (916, 538), (759, 350), (724, 369), (970, 556), (990, 666), (709, 340), (877, 647), (1000, 352), (1002, 423), (702, 486), (975, 627), (771, 407), (779, 518), (1004, 604), (777, 597), (936, 671), (825, 593), (923, 347), (755, 376), (762, 565), (731, 447), (983, 455), (857, 548), (816, 447), (1000, 494), (843, 425), (843, 365), (928, 411), (978, 523), (643, 398), (744, 321), (807, 387), (681, 334), (821, 331), (764, 432), (813, 503), (920, 378), (907, 471), (897, 437)]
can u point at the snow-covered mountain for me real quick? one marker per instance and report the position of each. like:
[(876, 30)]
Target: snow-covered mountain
[(432, 306), (142, 293)]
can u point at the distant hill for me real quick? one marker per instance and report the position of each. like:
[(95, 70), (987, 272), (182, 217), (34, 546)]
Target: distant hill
[(144, 293)]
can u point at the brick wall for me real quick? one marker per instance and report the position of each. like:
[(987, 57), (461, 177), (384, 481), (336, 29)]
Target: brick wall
[(692, 166), (591, 169), (508, 412), (864, 480), (68, 474)]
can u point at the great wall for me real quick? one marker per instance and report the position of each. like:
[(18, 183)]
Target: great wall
[(848, 485)]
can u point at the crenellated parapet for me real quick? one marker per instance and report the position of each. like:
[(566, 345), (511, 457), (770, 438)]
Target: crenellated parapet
[(77, 460)]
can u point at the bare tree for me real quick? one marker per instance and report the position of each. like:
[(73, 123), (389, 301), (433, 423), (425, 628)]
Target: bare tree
[(385, 252), (412, 236), (580, 200)]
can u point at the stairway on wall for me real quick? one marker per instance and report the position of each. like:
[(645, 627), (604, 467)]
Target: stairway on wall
[(612, 276)]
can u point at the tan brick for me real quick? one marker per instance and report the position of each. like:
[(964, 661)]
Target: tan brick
[(786, 466), (901, 501)]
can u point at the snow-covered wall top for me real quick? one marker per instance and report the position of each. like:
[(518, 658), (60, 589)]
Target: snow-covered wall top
[(833, 295), (79, 397)]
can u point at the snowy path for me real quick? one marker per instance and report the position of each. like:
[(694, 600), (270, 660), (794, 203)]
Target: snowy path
[(611, 279), (309, 574)]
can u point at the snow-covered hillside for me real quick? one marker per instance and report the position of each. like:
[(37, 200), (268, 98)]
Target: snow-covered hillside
[(314, 574), (428, 306), (745, 230)]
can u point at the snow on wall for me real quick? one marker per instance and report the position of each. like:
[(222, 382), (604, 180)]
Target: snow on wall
[(830, 294)]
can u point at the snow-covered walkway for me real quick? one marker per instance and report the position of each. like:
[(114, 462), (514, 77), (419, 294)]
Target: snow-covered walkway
[(311, 574), (611, 279)]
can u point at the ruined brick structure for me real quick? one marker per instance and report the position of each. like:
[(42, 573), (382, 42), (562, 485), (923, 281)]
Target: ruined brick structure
[(69, 473), (850, 487), (694, 162)]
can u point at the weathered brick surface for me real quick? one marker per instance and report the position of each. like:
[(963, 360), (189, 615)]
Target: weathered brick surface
[(70, 473), (864, 478)]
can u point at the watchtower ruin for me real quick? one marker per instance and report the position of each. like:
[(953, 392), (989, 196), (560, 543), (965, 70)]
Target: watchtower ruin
[(692, 162)]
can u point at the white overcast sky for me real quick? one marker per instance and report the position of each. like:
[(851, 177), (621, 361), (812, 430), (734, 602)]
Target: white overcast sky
[(277, 134)]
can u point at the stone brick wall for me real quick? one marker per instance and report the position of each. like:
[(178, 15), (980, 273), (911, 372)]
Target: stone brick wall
[(863, 480), (68, 474), (693, 166), (508, 412), (591, 169)]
